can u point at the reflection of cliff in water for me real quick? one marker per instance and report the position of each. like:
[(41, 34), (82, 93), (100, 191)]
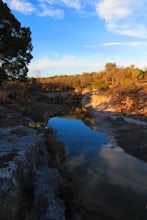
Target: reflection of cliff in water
[(101, 182), (79, 112)]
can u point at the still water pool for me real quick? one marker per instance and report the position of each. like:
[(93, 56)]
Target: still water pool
[(107, 183), (76, 136)]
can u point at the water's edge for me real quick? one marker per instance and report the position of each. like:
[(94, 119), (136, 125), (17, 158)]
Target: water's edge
[(76, 198)]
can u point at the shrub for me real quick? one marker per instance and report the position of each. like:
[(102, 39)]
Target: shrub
[(128, 85), (102, 85)]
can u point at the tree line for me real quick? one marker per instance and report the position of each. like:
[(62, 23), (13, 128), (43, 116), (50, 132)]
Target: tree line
[(15, 55), (126, 78)]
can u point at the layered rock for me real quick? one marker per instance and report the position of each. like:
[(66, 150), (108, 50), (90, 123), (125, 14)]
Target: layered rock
[(28, 187), (116, 102), (127, 127)]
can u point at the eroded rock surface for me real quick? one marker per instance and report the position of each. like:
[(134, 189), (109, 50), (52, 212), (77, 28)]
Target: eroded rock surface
[(28, 187), (117, 102), (128, 133)]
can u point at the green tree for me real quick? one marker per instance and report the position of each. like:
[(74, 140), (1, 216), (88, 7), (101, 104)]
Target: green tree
[(110, 72), (15, 45), (134, 73), (100, 84)]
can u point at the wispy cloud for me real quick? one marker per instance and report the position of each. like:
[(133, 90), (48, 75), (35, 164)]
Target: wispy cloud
[(125, 17), (69, 64), (53, 8), (110, 44), (134, 44), (22, 6), (66, 64), (49, 11), (76, 4), (66, 61), (40, 9)]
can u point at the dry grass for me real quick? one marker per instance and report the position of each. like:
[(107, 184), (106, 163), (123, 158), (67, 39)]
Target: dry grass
[(145, 88)]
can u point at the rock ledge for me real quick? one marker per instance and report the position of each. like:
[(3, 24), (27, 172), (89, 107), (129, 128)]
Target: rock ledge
[(28, 187)]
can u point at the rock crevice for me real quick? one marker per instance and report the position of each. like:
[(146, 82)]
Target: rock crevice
[(28, 187)]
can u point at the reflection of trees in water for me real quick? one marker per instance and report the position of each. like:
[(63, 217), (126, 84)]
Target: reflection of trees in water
[(79, 112)]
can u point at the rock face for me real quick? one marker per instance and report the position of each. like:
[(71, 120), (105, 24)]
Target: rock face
[(103, 101), (58, 97), (40, 111), (28, 187), (47, 205), (128, 132)]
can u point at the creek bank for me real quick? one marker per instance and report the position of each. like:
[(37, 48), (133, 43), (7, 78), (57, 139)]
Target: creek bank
[(124, 134), (29, 188), (114, 101), (40, 106), (110, 178), (123, 131), (30, 208)]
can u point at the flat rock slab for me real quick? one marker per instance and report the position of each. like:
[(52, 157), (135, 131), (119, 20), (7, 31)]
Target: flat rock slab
[(25, 177)]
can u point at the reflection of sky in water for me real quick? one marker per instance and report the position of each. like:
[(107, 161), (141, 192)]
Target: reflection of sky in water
[(75, 135), (124, 169), (110, 182), (118, 183)]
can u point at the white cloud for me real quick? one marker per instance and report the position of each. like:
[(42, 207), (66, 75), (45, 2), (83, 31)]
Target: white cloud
[(139, 63), (51, 8), (71, 3), (112, 10), (131, 29), (42, 9), (22, 6), (108, 44), (48, 11), (76, 4), (125, 17), (66, 61), (69, 64), (135, 43), (66, 64)]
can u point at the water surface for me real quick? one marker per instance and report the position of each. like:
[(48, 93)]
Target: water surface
[(108, 183), (76, 136)]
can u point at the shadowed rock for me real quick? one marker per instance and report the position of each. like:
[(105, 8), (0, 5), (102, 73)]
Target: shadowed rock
[(28, 187)]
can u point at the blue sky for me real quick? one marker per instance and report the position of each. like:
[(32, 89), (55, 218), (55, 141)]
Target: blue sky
[(76, 36)]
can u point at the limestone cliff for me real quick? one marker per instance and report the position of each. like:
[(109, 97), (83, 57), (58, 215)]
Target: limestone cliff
[(116, 102), (28, 187)]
